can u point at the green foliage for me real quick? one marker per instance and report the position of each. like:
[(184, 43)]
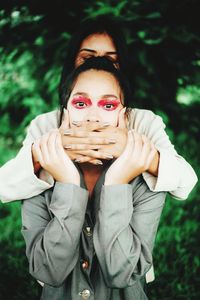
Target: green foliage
[(163, 39)]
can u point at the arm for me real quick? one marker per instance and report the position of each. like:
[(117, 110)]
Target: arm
[(19, 172), (175, 175), (125, 231), (52, 224)]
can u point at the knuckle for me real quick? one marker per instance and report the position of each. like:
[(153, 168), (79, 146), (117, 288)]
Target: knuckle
[(90, 153)]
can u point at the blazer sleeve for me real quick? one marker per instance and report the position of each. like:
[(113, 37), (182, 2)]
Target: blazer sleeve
[(52, 232), (175, 174), (125, 231), (17, 178)]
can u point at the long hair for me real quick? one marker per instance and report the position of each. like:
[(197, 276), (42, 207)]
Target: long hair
[(100, 25), (93, 63)]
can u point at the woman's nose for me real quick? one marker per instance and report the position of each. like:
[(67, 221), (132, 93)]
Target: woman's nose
[(92, 116)]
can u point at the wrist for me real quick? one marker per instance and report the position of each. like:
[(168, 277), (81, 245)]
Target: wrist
[(110, 180), (72, 180), (64, 176)]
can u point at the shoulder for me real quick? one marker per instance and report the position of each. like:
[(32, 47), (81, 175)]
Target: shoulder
[(143, 114), (143, 119), (44, 123), (51, 117)]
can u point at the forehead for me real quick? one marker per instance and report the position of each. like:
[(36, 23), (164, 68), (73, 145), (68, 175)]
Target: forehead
[(97, 83), (98, 42)]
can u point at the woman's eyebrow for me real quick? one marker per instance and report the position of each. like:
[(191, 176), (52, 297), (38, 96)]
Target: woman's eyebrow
[(106, 96), (109, 96), (111, 52), (94, 51), (80, 94), (88, 50)]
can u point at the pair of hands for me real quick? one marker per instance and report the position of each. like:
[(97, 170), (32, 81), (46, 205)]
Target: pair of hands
[(55, 151)]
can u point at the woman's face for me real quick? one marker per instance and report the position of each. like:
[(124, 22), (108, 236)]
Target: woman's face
[(96, 97), (97, 44)]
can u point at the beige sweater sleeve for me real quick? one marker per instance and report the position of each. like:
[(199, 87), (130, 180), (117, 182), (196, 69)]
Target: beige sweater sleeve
[(17, 178), (175, 174)]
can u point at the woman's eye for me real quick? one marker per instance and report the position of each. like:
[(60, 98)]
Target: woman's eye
[(81, 104), (109, 106), (84, 58)]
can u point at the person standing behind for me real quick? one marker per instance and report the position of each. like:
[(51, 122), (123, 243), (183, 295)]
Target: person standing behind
[(171, 172)]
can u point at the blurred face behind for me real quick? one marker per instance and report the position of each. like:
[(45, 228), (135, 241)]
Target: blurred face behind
[(96, 97), (97, 44)]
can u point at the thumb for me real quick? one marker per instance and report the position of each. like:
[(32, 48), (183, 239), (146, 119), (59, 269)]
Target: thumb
[(122, 118), (65, 120)]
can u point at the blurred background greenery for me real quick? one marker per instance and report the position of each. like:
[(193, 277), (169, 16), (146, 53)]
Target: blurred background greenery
[(164, 44)]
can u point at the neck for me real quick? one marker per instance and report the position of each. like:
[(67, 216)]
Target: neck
[(91, 174), (91, 169)]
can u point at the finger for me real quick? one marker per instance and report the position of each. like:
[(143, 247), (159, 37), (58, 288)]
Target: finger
[(91, 140), (144, 156), (37, 152), (65, 120), (59, 147), (146, 148), (83, 132), (52, 144), (95, 162), (44, 148), (152, 155), (91, 126), (83, 159), (96, 154), (122, 118), (73, 156), (138, 143), (82, 147), (129, 144), (35, 156), (95, 126)]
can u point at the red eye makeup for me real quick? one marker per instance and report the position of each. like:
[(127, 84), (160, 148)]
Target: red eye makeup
[(108, 104), (81, 102)]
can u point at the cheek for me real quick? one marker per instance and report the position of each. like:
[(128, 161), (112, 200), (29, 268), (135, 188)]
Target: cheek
[(110, 117), (75, 114)]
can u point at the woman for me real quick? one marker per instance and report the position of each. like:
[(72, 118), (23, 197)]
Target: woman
[(92, 235), (172, 173)]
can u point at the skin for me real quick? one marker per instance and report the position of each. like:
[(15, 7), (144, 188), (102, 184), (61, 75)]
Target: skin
[(97, 45), (96, 133), (136, 157), (89, 104)]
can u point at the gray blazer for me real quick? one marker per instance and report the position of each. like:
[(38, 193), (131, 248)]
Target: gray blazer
[(92, 249)]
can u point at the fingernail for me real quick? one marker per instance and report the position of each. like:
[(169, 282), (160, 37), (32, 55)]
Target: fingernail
[(105, 124), (108, 156), (98, 162), (77, 123), (112, 141), (67, 132), (78, 160), (68, 147)]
